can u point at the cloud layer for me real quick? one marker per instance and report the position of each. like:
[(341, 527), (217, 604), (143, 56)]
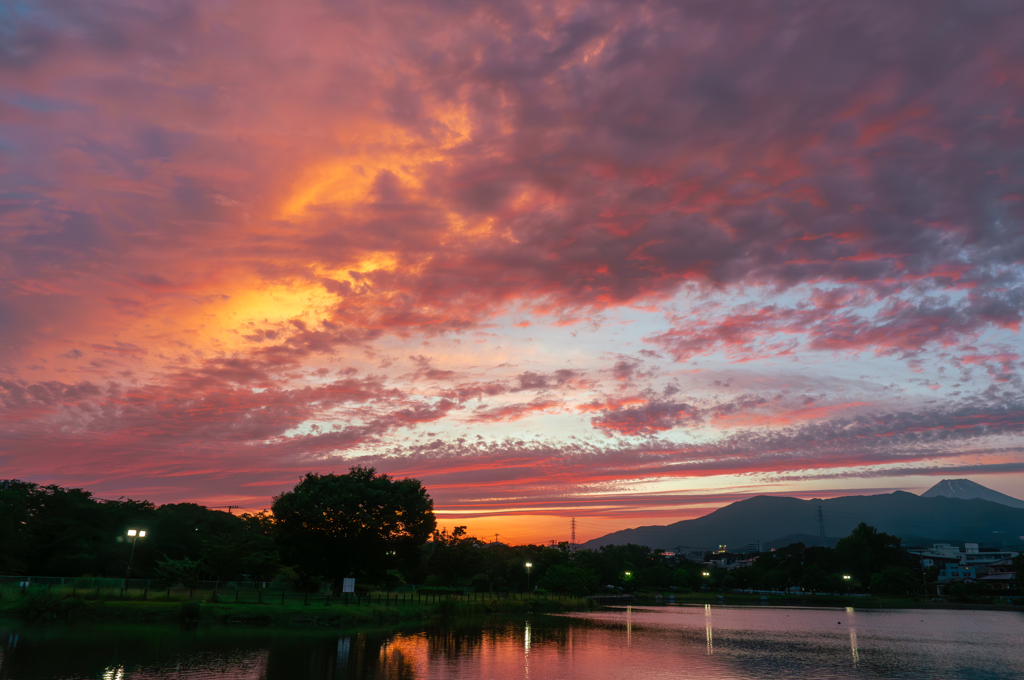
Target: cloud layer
[(557, 255)]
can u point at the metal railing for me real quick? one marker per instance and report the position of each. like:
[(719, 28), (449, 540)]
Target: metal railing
[(74, 581), (243, 592)]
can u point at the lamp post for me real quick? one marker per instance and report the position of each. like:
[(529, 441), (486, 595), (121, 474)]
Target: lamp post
[(389, 559), (846, 579), (528, 565), (135, 535)]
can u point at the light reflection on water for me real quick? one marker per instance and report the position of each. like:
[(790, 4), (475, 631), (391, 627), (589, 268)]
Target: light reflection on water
[(718, 643), (708, 628), (853, 635)]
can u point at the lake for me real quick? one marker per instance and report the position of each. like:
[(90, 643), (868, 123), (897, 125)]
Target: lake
[(710, 643)]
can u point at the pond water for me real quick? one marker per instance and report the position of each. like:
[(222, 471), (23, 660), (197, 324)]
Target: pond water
[(712, 643)]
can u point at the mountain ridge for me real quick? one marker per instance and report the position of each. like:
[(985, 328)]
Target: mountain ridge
[(766, 519), (965, 489)]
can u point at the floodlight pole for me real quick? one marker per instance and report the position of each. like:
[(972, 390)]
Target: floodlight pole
[(135, 535)]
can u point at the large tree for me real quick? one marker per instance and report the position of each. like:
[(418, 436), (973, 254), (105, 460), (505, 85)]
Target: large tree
[(866, 552), (360, 524)]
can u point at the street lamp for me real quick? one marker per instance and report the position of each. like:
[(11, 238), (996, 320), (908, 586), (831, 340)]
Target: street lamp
[(135, 535), (846, 578), (705, 573), (528, 565)]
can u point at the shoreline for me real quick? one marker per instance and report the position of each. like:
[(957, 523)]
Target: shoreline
[(819, 601), (75, 611), (68, 609)]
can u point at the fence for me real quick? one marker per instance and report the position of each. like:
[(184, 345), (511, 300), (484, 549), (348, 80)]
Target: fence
[(241, 592), (129, 584), (72, 581)]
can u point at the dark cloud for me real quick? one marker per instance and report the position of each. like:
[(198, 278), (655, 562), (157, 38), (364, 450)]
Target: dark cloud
[(623, 370), (652, 417), (563, 377), (512, 412), (899, 327)]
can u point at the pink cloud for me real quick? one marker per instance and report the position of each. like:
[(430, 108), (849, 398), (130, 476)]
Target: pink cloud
[(210, 208)]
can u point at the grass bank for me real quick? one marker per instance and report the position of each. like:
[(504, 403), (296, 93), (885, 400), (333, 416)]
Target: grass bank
[(299, 611)]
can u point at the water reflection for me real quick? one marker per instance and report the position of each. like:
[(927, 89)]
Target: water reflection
[(526, 649), (741, 644), (707, 628), (341, 660), (853, 635)]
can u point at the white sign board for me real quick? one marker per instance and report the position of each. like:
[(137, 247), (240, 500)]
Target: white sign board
[(348, 585)]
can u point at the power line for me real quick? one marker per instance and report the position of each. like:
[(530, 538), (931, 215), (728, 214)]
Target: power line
[(229, 508)]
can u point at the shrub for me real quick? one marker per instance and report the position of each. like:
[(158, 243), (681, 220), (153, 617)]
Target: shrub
[(297, 581), (44, 605), (183, 572), (565, 579), (895, 581)]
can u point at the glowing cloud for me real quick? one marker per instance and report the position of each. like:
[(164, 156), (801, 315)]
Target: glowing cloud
[(554, 258)]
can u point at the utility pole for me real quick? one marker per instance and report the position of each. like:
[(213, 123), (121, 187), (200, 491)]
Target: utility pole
[(228, 507), (821, 527)]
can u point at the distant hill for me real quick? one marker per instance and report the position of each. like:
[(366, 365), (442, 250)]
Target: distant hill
[(965, 489), (918, 520)]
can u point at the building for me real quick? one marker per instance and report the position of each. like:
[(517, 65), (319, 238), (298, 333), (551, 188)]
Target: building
[(952, 572), (970, 556), (971, 564), (973, 556)]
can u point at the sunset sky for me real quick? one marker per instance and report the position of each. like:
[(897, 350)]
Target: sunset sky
[(620, 261)]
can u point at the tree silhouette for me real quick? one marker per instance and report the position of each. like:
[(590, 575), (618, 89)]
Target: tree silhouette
[(358, 524)]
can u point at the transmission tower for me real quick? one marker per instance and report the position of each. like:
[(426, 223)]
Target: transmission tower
[(821, 527), (572, 541)]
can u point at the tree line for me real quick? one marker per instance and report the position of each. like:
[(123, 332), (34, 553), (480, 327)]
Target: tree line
[(382, 532)]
